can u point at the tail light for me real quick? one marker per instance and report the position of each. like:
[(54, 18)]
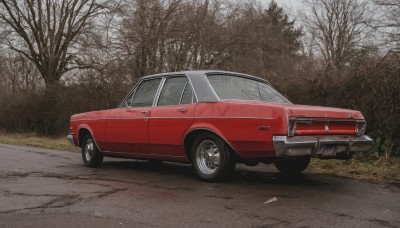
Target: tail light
[(293, 122), (360, 127), (291, 126)]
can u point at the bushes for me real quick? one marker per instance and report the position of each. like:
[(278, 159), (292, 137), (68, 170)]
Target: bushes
[(30, 112), (373, 88), (246, 37), (18, 111)]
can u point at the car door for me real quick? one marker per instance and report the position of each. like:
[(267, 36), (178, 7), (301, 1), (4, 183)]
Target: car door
[(171, 117), (127, 127)]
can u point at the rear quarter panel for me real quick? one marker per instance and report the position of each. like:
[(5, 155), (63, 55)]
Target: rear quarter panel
[(247, 126)]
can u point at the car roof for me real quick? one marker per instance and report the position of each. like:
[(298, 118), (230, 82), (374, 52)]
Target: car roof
[(197, 73), (198, 79)]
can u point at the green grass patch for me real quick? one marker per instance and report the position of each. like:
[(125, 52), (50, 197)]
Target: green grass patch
[(375, 170), (31, 139)]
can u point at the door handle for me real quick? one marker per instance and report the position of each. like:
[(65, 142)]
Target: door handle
[(182, 110), (145, 112)]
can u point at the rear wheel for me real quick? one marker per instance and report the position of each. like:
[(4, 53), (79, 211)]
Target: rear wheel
[(211, 158), (90, 153), (292, 166)]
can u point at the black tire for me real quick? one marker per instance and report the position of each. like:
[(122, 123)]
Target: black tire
[(91, 157), (226, 160), (292, 166)]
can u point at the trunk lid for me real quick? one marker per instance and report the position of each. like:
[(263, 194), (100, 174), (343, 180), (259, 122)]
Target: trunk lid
[(316, 120), (307, 111)]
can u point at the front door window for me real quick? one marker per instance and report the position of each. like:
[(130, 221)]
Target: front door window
[(145, 93)]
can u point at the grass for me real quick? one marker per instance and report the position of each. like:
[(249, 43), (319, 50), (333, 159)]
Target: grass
[(30, 139), (375, 170)]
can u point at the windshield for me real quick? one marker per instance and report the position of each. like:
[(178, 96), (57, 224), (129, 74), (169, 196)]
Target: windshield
[(230, 87)]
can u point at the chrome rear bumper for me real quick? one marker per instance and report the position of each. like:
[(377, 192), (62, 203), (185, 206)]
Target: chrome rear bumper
[(70, 137), (320, 146)]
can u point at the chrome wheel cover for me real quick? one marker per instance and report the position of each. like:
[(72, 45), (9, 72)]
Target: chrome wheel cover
[(89, 150), (207, 156)]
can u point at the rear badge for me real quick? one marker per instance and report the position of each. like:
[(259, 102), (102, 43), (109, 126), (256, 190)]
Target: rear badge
[(326, 129)]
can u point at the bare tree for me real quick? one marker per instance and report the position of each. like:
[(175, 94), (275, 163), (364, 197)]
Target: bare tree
[(269, 46), (19, 74), (337, 27), (390, 20), (45, 31), (174, 35)]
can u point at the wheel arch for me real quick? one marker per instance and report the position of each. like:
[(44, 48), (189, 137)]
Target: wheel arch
[(191, 135), (81, 133)]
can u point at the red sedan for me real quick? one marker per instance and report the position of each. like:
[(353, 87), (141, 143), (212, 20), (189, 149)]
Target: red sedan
[(215, 119)]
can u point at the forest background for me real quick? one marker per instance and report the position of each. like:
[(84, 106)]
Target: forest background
[(58, 58)]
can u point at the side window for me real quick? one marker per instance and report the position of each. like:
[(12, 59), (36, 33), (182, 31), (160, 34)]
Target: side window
[(145, 93), (172, 91), (126, 102), (187, 96)]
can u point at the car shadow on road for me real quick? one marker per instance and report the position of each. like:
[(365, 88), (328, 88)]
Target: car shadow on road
[(150, 166), (252, 175)]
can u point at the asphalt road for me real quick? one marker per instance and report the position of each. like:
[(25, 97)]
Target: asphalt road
[(48, 188)]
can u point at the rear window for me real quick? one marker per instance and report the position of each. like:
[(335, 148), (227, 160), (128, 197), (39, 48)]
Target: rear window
[(229, 87)]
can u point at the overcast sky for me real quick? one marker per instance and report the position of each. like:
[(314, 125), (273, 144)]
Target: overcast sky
[(290, 6), (287, 3)]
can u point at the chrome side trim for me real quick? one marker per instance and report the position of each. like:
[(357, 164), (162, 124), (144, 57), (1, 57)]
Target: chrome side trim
[(303, 120), (136, 118), (159, 155), (320, 146), (157, 96), (180, 117), (70, 138), (233, 117)]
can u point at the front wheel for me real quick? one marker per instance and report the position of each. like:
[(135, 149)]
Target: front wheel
[(292, 166), (211, 158), (90, 153)]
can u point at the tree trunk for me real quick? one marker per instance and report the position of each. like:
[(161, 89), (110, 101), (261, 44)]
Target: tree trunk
[(50, 110)]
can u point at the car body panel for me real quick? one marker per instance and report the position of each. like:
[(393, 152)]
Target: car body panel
[(127, 130), (248, 127), (167, 125), (94, 122)]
